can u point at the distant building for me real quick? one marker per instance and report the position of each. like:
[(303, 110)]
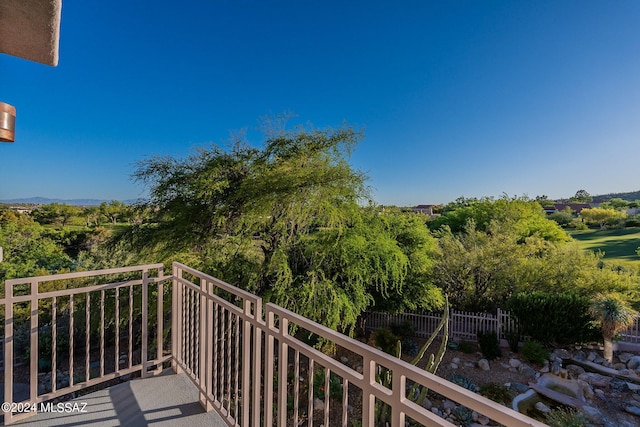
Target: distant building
[(21, 209), (425, 209), (561, 207)]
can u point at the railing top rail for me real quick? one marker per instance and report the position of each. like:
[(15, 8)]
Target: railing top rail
[(470, 399), (64, 276), (219, 283)]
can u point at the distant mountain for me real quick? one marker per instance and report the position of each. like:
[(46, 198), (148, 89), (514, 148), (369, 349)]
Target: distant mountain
[(76, 202)]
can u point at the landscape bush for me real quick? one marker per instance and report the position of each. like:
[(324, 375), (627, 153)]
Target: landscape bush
[(467, 346), (568, 417), (385, 340), (489, 344), (554, 318), (496, 392), (534, 352)]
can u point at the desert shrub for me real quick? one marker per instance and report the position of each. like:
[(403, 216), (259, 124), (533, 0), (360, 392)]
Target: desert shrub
[(496, 392), (467, 346), (513, 338), (384, 339), (489, 345), (335, 386), (403, 330), (464, 382), (464, 415), (578, 225), (406, 331), (534, 352), (565, 418), (554, 318)]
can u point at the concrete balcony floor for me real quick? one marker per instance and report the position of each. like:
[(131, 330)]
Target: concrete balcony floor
[(165, 400)]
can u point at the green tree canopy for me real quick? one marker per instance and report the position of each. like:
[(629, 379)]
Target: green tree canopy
[(284, 221), (28, 250), (525, 216)]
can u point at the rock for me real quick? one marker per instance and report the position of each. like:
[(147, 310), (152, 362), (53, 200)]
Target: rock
[(636, 397), (562, 353), (587, 390), (633, 410), (426, 404), (600, 394), (484, 364), (556, 366), (435, 410), (449, 405), (317, 404), (456, 360), (592, 414), (627, 372), (618, 385), (596, 380), (514, 363), (527, 370), (520, 388), (359, 369), (453, 366), (634, 388), (607, 364), (469, 364), (580, 356), (542, 408), (591, 356), (545, 369), (504, 365), (599, 359), (624, 357), (344, 360), (634, 363), (619, 366), (474, 416), (575, 371), (483, 420)]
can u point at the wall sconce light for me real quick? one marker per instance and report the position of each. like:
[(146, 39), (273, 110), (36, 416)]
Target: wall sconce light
[(7, 122)]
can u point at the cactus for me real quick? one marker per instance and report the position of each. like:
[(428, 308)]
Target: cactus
[(417, 393)]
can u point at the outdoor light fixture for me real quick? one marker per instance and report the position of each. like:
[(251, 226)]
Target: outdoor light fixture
[(7, 122)]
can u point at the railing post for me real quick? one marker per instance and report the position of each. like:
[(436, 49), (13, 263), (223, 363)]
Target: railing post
[(145, 323), (160, 320), (257, 365), (8, 350), (268, 368), (176, 316), (204, 369), (246, 363), (33, 379)]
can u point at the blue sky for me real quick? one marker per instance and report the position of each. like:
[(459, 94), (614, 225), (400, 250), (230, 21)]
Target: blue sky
[(473, 98)]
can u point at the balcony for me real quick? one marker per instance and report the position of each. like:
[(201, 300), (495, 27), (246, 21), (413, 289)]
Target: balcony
[(197, 351)]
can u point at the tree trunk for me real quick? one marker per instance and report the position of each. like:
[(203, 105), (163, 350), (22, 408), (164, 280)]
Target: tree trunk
[(608, 349)]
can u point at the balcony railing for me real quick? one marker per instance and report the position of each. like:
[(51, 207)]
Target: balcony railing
[(242, 355)]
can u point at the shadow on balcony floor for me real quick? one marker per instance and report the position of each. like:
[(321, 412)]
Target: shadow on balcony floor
[(164, 400)]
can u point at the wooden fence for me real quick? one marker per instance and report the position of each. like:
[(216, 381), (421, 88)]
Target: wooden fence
[(464, 325)]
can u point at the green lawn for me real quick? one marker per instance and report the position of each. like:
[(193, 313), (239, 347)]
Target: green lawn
[(617, 245)]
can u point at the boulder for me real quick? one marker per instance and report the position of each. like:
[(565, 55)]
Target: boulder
[(484, 364), (514, 363), (634, 363), (633, 410), (595, 380), (624, 357), (562, 353), (575, 371), (580, 356), (591, 356)]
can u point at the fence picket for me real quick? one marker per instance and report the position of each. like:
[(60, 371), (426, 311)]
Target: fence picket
[(464, 325)]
